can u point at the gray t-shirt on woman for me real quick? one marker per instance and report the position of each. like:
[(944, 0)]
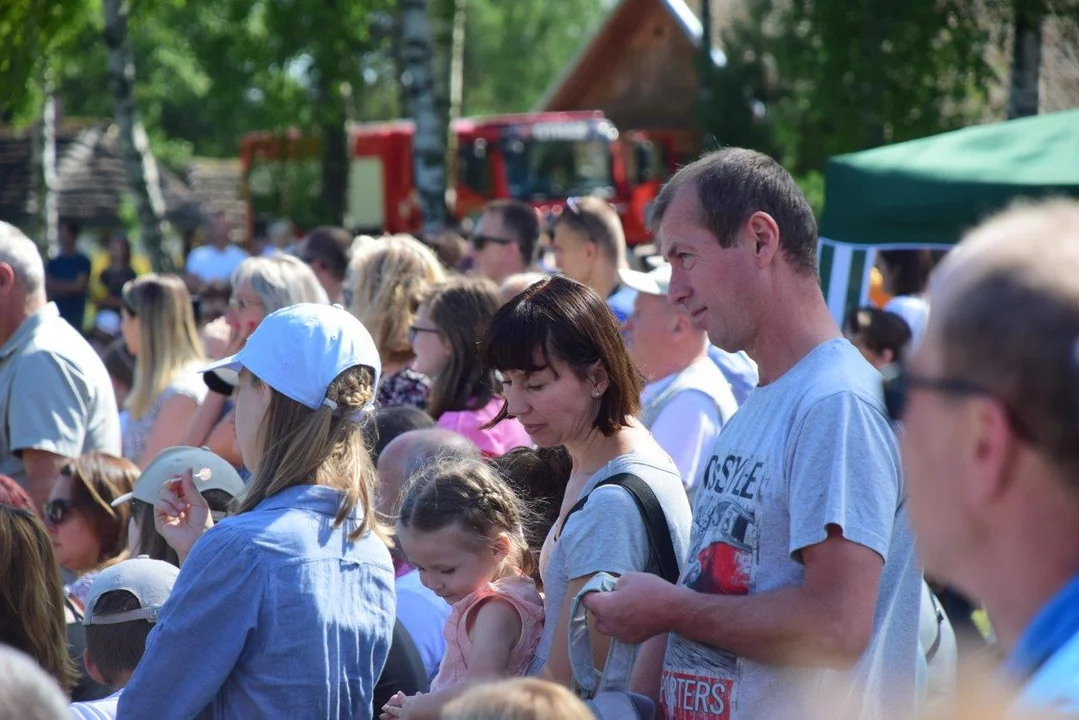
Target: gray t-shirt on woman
[(608, 533)]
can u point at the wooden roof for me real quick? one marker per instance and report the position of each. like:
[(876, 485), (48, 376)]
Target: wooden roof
[(215, 186), (638, 68)]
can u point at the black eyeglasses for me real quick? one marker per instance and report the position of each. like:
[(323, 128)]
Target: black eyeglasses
[(898, 383), (481, 241), (56, 511), (413, 331)]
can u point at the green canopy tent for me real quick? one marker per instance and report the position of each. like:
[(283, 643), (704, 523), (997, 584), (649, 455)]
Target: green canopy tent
[(927, 192)]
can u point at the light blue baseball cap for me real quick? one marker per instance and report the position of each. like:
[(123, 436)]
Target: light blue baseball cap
[(299, 350)]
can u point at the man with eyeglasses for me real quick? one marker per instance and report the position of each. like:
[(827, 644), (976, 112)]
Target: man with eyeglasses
[(990, 407), (800, 594), (56, 398), (506, 240)]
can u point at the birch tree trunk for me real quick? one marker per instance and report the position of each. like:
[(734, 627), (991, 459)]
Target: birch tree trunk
[(1026, 59), (429, 139), (141, 168), (51, 222)]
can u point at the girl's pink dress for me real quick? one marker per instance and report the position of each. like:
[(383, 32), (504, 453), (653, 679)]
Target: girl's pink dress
[(517, 591), (492, 442)]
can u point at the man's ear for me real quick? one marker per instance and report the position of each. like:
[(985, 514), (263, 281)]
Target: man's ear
[(764, 233)]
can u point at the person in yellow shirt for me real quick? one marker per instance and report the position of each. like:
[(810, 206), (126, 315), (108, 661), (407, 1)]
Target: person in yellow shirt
[(110, 268)]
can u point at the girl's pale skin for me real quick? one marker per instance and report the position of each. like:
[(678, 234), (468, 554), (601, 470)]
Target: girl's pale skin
[(451, 566)]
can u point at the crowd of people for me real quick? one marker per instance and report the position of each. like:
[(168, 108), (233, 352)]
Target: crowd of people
[(387, 479)]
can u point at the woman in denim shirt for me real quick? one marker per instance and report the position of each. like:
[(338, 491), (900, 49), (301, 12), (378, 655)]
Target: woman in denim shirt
[(286, 608)]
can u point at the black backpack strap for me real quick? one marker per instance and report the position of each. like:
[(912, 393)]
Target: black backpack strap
[(655, 522)]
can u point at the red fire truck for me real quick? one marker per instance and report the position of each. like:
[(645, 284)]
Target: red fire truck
[(540, 158)]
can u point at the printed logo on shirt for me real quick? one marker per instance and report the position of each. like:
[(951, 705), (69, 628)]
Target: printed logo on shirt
[(691, 697)]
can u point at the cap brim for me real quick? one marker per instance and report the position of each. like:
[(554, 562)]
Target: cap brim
[(224, 365), (641, 282), (122, 499)]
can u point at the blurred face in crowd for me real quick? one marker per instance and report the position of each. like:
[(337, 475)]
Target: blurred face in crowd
[(129, 329), (940, 448), (494, 248), (76, 545), (431, 349), (574, 255), (452, 563), (649, 330), (553, 404), (218, 232), (717, 286), (245, 310), (252, 401)]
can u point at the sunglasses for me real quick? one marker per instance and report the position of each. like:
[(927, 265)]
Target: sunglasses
[(898, 382), (56, 511), (413, 331), (481, 241)]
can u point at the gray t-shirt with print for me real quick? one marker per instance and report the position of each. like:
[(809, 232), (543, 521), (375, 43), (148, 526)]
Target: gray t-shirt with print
[(809, 450), (608, 533)]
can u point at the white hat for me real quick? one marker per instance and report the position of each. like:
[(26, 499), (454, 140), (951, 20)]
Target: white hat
[(649, 283), (299, 350), (173, 461), (150, 581)]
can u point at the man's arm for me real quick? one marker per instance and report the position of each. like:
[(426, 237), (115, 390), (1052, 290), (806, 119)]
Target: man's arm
[(41, 467), (826, 621)]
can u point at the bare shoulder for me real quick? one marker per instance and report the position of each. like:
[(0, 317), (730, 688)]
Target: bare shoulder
[(495, 618)]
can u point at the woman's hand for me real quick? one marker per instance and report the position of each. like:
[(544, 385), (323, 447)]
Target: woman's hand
[(217, 338), (181, 514)]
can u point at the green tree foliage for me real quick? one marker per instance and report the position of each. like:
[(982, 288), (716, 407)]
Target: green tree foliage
[(814, 78)]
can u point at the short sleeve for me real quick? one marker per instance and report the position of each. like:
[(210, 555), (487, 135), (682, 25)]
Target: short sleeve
[(202, 630), (48, 407), (844, 469), (606, 535)]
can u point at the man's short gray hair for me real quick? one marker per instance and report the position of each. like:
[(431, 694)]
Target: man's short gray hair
[(26, 691), (22, 255)]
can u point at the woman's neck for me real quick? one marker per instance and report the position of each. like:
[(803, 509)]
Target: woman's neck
[(595, 450)]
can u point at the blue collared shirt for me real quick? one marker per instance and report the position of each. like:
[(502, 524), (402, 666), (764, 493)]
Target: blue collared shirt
[(1054, 625), (275, 614)]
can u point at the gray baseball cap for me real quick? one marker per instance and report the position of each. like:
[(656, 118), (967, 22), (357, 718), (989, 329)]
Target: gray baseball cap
[(173, 461), (150, 581)]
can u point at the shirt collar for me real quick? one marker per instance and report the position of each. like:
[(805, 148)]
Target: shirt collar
[(27, 328), (1054, 625), (314, 498)]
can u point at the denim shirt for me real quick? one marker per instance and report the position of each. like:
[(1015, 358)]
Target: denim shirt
[(275, 614)]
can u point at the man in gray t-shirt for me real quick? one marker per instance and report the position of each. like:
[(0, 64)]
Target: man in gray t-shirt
[(801, 592), (56, 400)]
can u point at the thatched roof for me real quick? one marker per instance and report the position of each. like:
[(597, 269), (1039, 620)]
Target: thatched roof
[(92, 182), (215, 186)]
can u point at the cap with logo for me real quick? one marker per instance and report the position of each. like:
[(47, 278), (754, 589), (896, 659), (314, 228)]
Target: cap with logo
[(655, 282), (174, 461), (150, 581), (299, 350)]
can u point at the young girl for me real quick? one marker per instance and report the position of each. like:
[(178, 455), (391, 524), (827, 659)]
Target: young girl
[(460, 526), (465, 395)]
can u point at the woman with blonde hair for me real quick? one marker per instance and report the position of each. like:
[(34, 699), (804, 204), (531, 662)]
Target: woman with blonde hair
[(260, 285), (286, 607), (32, 595), (388, 279), (158, 326)]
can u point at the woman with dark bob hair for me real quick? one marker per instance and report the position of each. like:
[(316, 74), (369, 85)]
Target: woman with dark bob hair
[(570, 382)]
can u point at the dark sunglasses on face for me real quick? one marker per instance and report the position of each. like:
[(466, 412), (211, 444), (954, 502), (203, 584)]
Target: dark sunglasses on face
[(56, 511), (413, 331), (480, 241), (898, 382)]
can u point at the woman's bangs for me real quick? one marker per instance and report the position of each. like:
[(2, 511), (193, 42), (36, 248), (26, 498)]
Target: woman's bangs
[(513, 337)]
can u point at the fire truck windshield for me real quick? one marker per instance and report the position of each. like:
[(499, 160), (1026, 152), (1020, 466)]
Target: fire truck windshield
[(552, 168)]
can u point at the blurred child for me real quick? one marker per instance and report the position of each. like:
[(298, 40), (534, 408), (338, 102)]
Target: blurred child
[(517, 699), (121, 609), (881, 336), (460, 526)]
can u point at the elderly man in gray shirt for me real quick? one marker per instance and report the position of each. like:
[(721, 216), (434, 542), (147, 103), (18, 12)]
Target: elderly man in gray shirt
[(56, 400)]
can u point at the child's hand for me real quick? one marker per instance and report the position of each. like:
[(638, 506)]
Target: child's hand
[(398, 706)]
